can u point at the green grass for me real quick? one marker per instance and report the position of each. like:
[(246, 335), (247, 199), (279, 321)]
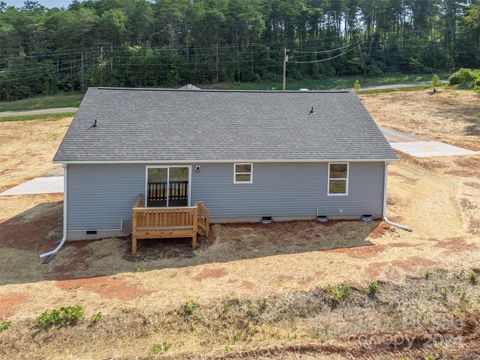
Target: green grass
[(343, 82), (43, 102), (54, 116), (408, 88)]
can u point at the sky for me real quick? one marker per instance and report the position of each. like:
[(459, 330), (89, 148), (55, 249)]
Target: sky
[(46, 3)]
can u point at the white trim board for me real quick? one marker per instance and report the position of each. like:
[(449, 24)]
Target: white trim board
[(220, 161)]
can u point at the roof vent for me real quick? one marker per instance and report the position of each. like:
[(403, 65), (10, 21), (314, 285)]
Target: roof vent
[(94, 125), (312, 111)]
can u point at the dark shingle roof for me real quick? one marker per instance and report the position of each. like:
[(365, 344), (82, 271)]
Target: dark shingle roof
[(175, 125)]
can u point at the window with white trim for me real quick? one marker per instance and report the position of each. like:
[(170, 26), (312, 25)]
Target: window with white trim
[(242, 173), (338, 178)]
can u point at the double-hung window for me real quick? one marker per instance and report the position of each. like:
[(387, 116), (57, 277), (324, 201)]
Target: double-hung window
[(242, 173), (338, 179)]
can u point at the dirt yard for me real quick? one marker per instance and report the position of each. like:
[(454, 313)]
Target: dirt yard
[(288, 268)]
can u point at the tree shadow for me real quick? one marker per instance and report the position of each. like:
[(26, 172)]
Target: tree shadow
[(39, 229), (464, 113)]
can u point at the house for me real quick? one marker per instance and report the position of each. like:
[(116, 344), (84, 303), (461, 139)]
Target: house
[(243, 155)]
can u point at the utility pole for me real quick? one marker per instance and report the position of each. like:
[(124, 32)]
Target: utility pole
[(101, 66), (285, 60), (81, 72), (111, 58)]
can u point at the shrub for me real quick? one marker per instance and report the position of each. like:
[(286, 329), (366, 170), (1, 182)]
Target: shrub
[(340, 293), (139, 269), (69, 315), (373, 288), (464, 78), (357, 86), (97, 317), (435, 81), (5, 325), (189, 307), (473, 278), (163, 347)]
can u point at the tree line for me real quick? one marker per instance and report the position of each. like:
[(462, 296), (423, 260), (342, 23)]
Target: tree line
[(173, 42)]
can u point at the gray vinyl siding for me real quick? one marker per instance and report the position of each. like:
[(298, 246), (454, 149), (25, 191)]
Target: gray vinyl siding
[(101, 196), (288, 190)]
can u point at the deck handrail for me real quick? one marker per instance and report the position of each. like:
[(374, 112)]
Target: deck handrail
[(177, 221)]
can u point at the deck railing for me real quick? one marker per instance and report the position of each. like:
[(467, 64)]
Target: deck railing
[(176, 191), (168, 222)]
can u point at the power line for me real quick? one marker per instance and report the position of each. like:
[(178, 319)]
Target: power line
[(322, 60), (324, 51)]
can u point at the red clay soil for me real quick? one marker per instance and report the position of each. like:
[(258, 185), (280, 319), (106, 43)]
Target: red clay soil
[(410, 264), (413, 263), (380, 230), (210, 273), (474, 227), (10, 303), (74, 263), (456, 245), (467, 204), (284, 278), (107, 287), (247, 285), (361, 252), (38, 234)]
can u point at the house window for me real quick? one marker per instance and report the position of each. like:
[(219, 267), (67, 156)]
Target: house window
[(242, 173), (337, 179)]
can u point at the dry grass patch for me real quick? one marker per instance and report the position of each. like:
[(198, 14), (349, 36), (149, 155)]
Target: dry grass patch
[(450, 116), (27, 149), (315, 321)]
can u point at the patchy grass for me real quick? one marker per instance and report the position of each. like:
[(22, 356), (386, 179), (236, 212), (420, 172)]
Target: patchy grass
[(53, 116), (394, 89), (327, 83), (43, 102), (5, 325)]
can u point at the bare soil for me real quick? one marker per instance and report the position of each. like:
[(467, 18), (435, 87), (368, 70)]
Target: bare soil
[(289, 266)]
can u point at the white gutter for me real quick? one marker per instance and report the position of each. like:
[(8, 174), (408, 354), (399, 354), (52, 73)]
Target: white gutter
[(218, 161), (403, 227), (384, 213), (64, 236)]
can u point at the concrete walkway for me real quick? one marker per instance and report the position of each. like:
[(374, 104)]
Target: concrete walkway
[(414, 146), (40, 185), (38, 112)]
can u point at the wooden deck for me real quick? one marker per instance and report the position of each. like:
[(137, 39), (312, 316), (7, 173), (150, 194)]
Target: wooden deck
[(168, 222)]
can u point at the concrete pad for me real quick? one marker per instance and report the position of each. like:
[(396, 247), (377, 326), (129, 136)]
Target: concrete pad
[(423, 149), (41, 185), (398, 136)]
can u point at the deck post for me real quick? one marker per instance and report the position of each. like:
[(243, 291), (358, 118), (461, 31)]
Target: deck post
[(134, 245), (195, 227), (134, 230)]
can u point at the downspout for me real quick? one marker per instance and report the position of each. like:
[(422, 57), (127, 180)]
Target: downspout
[(385, 218), (64, 236)]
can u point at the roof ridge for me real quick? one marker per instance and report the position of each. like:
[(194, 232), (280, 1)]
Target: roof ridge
[(227, 90)]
